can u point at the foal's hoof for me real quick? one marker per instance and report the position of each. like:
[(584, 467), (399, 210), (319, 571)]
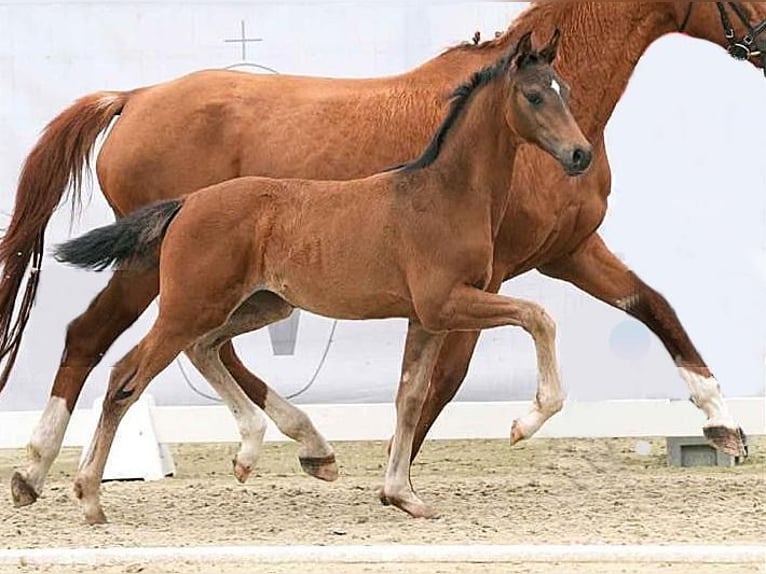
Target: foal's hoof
[(241, 471), (89, 502), (324, 468), (410, 504), (517, 435), (95, 516), (22, 492), (730, 441)]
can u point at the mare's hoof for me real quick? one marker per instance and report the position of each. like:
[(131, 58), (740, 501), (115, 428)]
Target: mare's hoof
[(241, 471), (22, 492), (730, 441), (324, 468)]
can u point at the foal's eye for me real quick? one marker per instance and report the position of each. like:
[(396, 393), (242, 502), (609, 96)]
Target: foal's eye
[(534, 98)]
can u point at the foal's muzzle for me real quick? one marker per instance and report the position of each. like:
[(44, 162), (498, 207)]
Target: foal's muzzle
[(578, 161)]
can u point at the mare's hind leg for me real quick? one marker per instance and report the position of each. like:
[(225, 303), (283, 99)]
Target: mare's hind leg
[(128, 380), (263, 308), (596, 270), (88, 338)]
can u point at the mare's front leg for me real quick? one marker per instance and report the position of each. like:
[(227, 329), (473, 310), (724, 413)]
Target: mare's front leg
[(596, 270), (421, 351)]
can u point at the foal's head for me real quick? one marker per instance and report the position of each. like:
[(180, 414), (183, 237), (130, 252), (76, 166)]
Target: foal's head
[(537, 109)]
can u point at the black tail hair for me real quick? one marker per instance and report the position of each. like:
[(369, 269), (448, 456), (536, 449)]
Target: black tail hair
[(132, 237)]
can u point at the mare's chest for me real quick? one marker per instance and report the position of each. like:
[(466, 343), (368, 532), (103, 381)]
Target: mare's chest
[(549, 213)]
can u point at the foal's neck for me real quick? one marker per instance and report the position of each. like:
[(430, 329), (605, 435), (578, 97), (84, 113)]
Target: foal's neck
[(475, 166)]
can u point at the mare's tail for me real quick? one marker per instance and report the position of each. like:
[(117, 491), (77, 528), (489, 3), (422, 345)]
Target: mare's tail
[(55, 164), (132, 238)]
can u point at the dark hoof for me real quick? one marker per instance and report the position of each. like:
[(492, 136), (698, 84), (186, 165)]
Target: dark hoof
[(324, 468), (23, 494), (728, 441)]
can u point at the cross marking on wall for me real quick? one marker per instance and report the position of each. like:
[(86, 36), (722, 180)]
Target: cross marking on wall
[(243, 39)]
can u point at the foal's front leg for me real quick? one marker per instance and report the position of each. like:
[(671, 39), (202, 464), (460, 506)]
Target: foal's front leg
[(421, 350), (471, 309)]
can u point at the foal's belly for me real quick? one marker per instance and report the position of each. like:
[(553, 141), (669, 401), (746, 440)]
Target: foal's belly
[(348, 301)]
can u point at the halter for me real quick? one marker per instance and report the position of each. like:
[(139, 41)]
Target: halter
[(743, 48)]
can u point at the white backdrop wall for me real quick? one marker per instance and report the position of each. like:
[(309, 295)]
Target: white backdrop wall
[(688, 211)]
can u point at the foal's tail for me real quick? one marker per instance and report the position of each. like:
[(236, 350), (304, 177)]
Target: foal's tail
[(133, 238), (55, 164)]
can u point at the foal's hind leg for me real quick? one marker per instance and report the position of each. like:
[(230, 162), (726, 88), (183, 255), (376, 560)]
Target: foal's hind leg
[(316, 455), (88, 338), (128, 380)]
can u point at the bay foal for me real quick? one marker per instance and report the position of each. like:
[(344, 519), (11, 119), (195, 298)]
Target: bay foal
[(414, 242)]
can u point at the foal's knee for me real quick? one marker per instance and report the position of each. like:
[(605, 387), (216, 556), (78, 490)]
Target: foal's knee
[(538, 323)]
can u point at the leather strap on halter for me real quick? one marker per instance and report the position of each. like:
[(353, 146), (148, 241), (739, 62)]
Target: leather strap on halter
[(752, 32), (740, 49)]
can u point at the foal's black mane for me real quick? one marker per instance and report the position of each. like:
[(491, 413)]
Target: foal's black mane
[(459, 100)]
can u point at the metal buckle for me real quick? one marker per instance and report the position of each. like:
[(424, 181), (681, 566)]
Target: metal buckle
[(740, 51)]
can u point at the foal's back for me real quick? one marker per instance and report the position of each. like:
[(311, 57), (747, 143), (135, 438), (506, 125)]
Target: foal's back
[(311, 242)]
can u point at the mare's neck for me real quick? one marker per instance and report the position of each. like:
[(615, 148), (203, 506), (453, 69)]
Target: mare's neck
[(600, 46), (600, 54)]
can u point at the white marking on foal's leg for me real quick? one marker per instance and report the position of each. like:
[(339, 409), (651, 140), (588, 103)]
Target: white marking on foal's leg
[(250, 422), (549, 398), (316, 456), (249, 417), (43, 448), (706, 394)]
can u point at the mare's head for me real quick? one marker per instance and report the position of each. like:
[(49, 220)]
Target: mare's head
[(739, 27), (536, 107)]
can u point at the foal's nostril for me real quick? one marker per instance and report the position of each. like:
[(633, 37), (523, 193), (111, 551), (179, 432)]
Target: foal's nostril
[(581, 159)]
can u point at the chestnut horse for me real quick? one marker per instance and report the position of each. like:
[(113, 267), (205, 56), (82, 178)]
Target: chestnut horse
[(416, 242), (207, 127)]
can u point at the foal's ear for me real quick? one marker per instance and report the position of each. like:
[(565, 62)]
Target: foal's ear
[(523, 50), (550, 51)]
